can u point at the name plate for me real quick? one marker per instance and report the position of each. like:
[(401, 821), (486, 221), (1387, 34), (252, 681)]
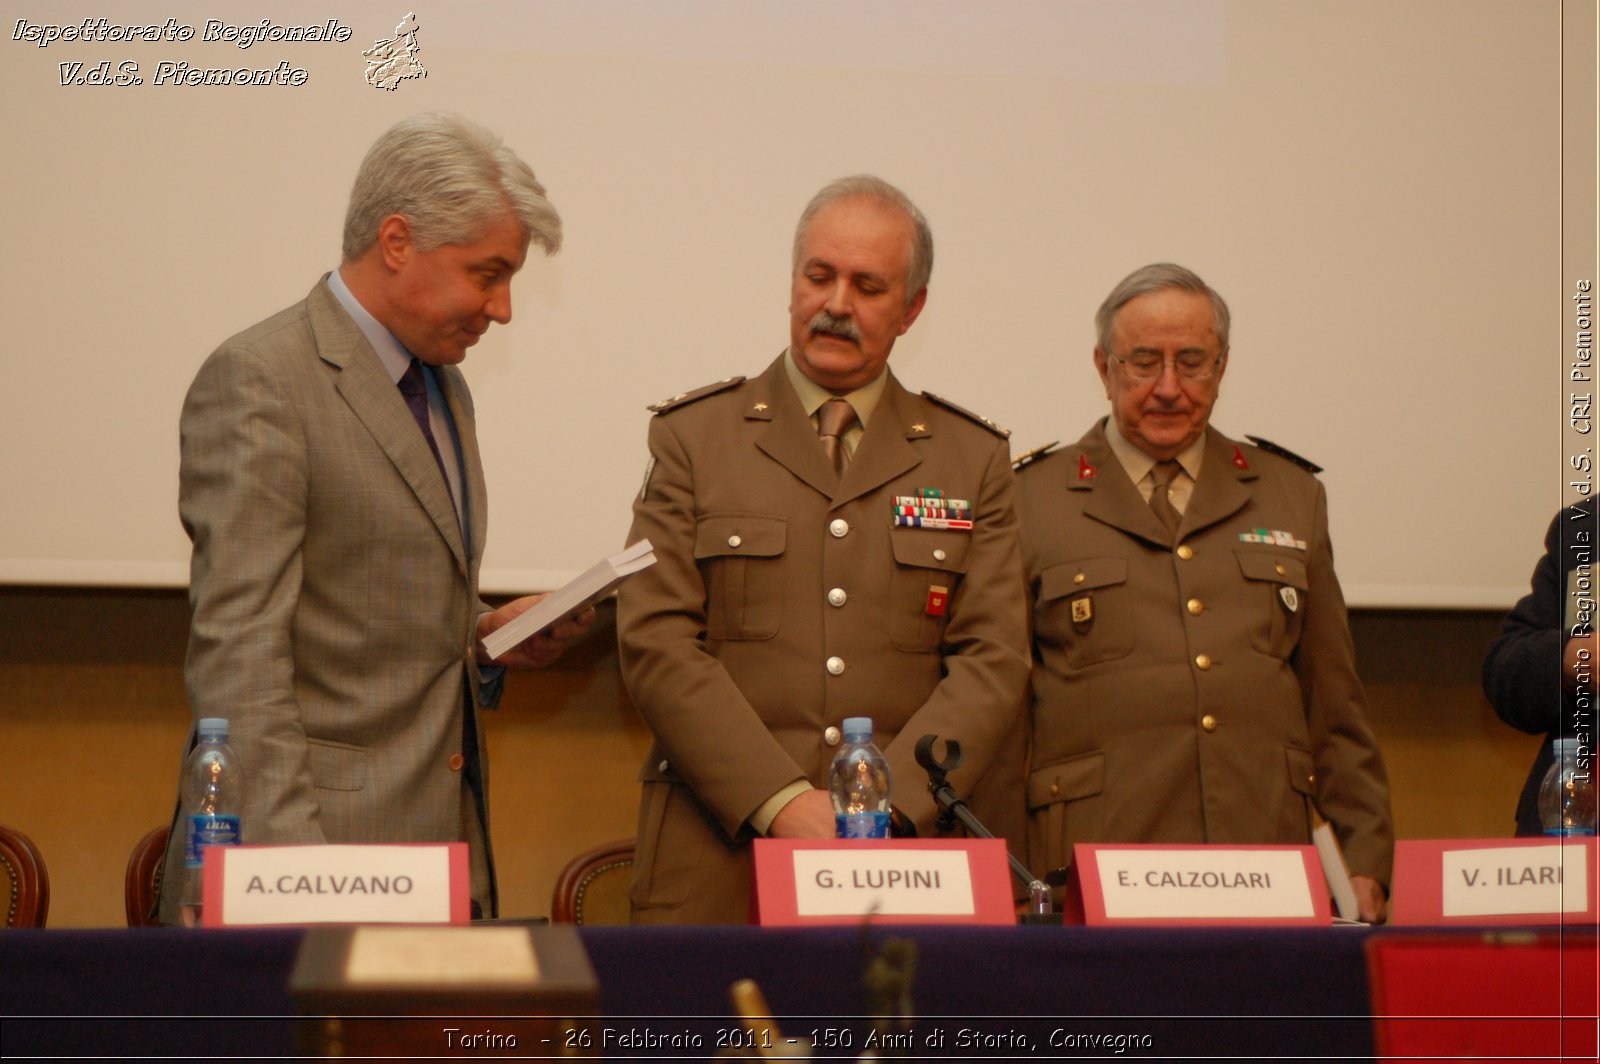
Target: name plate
[(1160, 884), (259, 886), (808, 882), (1494, 881)]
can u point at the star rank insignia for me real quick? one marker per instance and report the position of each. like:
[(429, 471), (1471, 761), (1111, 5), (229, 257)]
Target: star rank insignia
[(759, 407)]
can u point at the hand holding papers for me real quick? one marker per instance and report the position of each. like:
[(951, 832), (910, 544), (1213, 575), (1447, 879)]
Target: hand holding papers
[(585, 590)]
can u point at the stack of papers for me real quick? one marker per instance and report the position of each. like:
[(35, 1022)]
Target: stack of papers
[(584, 591)]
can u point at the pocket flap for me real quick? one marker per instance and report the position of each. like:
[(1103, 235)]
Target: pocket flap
[(1272, 567), (1302, 771), (1064, 781), (927, 548), (739, 535), (1086, 574), (337, 766)]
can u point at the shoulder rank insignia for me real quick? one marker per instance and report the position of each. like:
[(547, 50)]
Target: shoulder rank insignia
[(1027, 458), (1003, 433), (1284, 453), (685, 398)]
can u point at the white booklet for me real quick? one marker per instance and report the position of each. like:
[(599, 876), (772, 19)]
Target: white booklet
[(583, 591), (1336, 871)]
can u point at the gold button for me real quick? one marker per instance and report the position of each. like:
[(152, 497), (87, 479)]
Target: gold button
[(1196, 607), (1208, 722), (1280, 570), (1202, 661), (938, 555), (836, 665), (837, 597), (1311, 778), (1077, 578), (662, 766), (1186, 552), (1055, 788), (734, 541), (839, 527), (830, 735), (456, 762)]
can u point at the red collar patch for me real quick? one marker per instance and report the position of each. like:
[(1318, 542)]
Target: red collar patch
[(1239, 459), (1085, 470)]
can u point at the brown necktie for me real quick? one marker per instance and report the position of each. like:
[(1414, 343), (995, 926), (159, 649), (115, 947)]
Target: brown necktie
[(1165, 473), (834, 419)]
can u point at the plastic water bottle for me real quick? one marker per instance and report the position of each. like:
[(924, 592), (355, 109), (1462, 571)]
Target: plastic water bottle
[(859, 783), (213, 795), (1567, 795)]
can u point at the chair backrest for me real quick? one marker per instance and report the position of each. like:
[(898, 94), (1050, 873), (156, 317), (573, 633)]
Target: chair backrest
[(143, 881), (24, 883), (593, 887)]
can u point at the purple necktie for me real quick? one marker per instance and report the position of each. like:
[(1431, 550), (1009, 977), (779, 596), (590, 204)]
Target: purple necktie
[(415, 389)]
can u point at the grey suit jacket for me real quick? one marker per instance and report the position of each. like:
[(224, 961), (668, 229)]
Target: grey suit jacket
[(334, 599)]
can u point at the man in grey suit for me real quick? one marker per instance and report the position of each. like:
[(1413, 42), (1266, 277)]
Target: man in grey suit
[(332, 487)]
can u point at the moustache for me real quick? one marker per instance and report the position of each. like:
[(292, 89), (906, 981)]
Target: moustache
[(823, 322)]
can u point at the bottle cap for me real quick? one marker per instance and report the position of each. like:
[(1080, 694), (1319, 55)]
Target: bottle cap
[(212, 728), (858, 727)]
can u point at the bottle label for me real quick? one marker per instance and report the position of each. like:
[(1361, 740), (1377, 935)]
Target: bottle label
[(1563, 832), (205, 831), (862, 825)]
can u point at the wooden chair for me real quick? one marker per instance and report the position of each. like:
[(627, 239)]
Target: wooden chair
[(593, 887), (143, 881), (24, 883)]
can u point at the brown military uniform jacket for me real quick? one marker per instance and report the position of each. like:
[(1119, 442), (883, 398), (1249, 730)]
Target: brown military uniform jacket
[(1203, 691), (781, 604)]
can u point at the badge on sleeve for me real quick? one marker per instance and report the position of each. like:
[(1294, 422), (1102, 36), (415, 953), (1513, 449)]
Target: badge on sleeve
[(1290, 597), (938, 599), (644, 489)]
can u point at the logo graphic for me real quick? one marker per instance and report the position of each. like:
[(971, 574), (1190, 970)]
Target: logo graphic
[(389, 62)]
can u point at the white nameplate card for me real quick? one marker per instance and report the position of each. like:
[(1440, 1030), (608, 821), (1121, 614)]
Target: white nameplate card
[(803, 882), (1494, 881), (1162, 884), (258, 886)]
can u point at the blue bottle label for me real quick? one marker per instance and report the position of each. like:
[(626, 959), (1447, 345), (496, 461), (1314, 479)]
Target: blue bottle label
[(861, 825), (1562, 832), (205, 831)]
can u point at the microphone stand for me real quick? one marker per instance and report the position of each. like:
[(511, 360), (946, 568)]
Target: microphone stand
[(953, 808)]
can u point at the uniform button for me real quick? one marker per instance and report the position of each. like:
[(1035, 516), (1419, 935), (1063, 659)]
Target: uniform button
[(1186, 552), (839, 527), (1208, 722), (938, 555), (837, 597), (836, 665), (1195, 606), (1078, 578), (734, 541), (662, 766), (456, 761), (1280, 570), (1202, 661), (830, 735), (1311, 778), (1055, 789)]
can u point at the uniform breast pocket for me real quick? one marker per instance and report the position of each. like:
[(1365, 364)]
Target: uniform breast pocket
[(1082, 605), (1277, 587), (741, 557), (928, 566)]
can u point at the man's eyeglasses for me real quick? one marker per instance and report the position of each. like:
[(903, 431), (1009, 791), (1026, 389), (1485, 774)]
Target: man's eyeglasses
[(1189, 365)]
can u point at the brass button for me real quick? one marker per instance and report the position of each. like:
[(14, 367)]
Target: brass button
[(839, 527), (1280, 570), (1186, 552), (1208, 722), (456, 762), (734, 541), (836, 665), (1055, 789), (1202, 661), (938, 555), (662, 766), (1311, 778), (1078, 578), (1195, 607), (830, 735), (837, 597)]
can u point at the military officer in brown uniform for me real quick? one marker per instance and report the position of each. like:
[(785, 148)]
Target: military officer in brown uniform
[(794, 587), (1194, 678)]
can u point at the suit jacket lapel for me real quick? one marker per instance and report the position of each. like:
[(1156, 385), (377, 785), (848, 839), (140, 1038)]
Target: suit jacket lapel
[(789, 437), (454, 386), (375, 400), (883, 452), (1223, 487), (1115, 500)]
